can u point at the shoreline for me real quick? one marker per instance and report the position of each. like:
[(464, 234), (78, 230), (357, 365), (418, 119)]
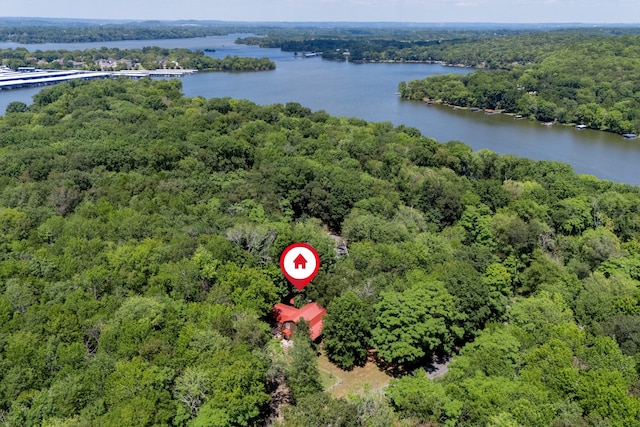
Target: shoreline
[(490, 112)]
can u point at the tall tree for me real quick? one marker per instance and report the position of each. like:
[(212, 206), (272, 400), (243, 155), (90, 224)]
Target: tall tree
[(346, 330), (419, 398), (419, 322), (303, 377)]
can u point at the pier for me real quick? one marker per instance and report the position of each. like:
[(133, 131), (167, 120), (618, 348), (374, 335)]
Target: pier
[(35, 77)]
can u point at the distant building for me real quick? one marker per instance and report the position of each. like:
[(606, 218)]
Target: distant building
[(287, 316)]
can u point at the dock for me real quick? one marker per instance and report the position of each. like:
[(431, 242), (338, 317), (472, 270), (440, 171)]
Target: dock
[(34, 77)]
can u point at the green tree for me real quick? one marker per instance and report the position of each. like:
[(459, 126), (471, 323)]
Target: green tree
[(346, 330), (302, 375), (492, 353), (538, 315), (625, 329), (415, 323), (239, 394), (16, 107), (320, 409), (603, 393), (418, 398), (598, 246), (604, 297), (138, 394)]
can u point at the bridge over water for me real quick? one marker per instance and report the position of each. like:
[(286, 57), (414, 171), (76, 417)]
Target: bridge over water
[(34, 77)]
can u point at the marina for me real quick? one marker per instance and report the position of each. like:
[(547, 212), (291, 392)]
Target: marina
[(31, 77)]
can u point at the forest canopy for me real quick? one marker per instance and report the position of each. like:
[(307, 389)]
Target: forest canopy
[(32, 30), (141, 232)]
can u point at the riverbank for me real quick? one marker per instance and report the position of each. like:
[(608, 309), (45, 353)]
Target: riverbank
[(403, 61), (487, 111), (414, 61)]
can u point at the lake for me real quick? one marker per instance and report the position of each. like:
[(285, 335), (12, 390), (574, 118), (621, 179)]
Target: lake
[(368, 91)]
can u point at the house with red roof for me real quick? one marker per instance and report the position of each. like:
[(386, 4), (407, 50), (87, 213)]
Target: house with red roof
[(287, 316)]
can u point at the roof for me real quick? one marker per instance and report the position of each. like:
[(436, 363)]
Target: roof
[(311, 312), (284, 312)]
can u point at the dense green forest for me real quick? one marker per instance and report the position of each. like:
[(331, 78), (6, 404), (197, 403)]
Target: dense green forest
[(33, 30), (141, 232), (148, 58), (65, 31), (492, 48)]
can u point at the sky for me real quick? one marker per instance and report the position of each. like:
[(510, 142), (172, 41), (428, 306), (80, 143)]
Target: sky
[(511, 11)]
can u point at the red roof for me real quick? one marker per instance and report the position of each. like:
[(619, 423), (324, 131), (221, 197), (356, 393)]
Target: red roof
[(285, 312), (311, 312)]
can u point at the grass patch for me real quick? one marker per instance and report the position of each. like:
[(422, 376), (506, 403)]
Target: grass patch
[(328, 379), (351, 382)]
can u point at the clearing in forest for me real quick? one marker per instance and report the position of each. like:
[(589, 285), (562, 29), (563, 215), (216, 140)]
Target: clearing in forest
[(341, 383)]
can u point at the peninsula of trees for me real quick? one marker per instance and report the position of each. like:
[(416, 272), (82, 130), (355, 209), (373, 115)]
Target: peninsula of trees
[(563, 77), (147, 58), (141, 232)]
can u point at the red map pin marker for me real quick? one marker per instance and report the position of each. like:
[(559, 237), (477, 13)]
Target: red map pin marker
[(299, 263)]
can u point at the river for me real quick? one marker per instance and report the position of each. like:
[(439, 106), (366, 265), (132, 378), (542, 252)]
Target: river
[(368, 91)]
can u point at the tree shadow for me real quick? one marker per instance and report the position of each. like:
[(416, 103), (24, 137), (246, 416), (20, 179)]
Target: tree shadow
[(435, 366)]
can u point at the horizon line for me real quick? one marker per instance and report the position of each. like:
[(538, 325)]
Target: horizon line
[(220, 21)]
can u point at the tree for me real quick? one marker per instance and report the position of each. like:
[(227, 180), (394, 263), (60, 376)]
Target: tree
[(374, 409), (486, 397), (138, 394), (603, 352), (604, 297), (16, 107), (625, 329), (249, 289), (239, 394), (573, 215), (320, 409), (192, 388), (539, 314), (598, 246), (346, 330), (421, 399), (492, 353), (478, 301), (603, 392), (553, 365), (302, 375), (416, 323)]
